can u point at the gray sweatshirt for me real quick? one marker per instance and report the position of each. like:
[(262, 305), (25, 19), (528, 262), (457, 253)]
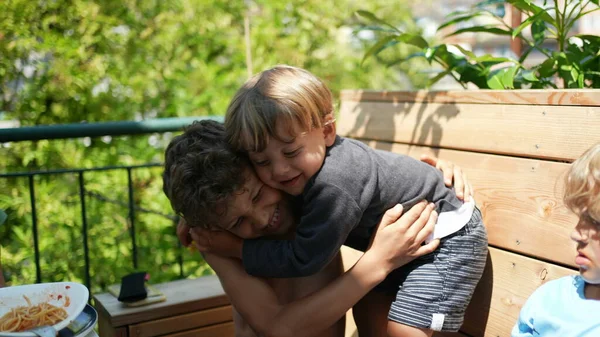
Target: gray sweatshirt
[(343, 203)]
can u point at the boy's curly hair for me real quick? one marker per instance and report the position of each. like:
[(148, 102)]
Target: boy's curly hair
[(201, 173)]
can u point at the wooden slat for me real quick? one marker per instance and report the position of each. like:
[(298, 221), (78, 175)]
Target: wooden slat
[(528, 131), (505, 286), (584, 97), (521, 200), (105, 329), (182, 322), (218, 330), (183, 296)]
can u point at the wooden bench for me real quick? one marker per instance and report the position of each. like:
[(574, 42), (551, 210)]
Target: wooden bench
[(195, 307), (515, 147)]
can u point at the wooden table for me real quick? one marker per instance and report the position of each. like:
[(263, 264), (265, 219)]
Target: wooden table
[(195, 307)]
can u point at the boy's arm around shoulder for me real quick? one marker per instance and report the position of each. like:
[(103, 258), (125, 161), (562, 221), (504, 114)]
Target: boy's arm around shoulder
[(328, 216)]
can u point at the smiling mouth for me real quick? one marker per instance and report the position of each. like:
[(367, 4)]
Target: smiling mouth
[(274, 223), (290, 182)]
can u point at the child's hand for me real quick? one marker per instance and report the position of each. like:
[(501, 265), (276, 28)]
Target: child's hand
[(399, 239), (452, 174), (217, 242)]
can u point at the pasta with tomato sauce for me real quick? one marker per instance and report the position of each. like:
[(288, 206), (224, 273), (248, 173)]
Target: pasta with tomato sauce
[(26, 317)]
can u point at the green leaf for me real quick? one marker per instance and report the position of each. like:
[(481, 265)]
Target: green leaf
[(438, 77), (375, 28), (494, 81), (529, 76), (538, 30), (370, 16), (502, 78), (468, 53), (547, 69), (430, 52), (529, 7), (412, 39), (377, 47), (509, 77), (525, 24), (460, 19), (580, 81), (482, 29), (595, 39)]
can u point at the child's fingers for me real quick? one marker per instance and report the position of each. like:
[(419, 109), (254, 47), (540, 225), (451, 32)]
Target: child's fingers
[(429, 160), (416, 218), (428, 227), (390, 216), (202, 239), (459, 182), (427, 248)]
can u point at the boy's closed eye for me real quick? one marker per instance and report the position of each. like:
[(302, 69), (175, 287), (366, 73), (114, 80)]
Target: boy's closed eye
[(261, 162), (237, 223), (256, 197)]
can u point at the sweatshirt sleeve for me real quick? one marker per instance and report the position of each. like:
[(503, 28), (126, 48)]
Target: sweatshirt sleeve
[(524, 327), (328, 216)]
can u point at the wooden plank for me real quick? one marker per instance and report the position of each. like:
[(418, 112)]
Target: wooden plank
[(521, 200), (183, 296), (526, 131), (218, 330), (583, 97), (509, 279), (182, 322), (105, 329)]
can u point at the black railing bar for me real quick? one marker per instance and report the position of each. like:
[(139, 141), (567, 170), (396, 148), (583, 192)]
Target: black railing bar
[(137, 208), (34, 227), (79, 130), (84, 231), (132, 219), (77, 170)]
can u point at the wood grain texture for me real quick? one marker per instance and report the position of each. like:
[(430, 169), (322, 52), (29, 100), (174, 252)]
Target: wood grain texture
[(183, 296), (105, 329), (583, 97), (182, 322), (558, 133), (509, 279), (218, 330), (520, 199)]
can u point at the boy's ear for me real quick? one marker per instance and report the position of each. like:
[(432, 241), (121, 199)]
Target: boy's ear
[(329, 131)]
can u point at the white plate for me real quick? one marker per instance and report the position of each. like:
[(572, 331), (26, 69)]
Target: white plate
[(67, 295)]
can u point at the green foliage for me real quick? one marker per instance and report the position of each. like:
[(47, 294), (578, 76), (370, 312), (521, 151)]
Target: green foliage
[(69, 61), (574, 63)]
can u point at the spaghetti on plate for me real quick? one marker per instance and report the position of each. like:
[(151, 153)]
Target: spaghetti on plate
[(23, 318)]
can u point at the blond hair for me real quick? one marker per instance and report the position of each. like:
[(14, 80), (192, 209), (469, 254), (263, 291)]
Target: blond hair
[(582, 184), (282, 94)]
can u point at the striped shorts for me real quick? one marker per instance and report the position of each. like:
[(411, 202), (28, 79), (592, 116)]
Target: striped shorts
[(435, 289)]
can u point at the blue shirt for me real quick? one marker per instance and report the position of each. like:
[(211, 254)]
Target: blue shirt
[(559, 308)]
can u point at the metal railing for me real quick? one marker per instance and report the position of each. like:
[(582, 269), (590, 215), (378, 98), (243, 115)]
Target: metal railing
[(92, 130)]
